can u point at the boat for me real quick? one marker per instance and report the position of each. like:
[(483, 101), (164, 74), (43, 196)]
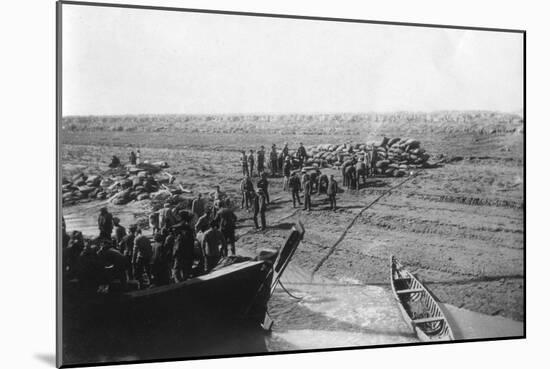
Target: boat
[(220, 313), (418, 305)]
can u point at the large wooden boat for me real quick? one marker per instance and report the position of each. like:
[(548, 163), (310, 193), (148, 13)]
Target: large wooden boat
[(419, 307), (218, 313)]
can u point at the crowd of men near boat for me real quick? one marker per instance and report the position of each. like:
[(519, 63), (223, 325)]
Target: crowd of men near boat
[(187, 242), (184, 244)]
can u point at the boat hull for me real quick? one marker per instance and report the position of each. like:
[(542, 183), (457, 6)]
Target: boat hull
[(204, 316), (418, 306)]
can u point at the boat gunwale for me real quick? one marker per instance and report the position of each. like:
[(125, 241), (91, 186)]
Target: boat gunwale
[(236, 267)]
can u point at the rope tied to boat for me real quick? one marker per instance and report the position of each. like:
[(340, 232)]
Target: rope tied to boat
[(288, 292), (343, 235)]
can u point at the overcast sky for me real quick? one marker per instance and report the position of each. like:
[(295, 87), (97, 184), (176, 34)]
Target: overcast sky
[(131, 61)]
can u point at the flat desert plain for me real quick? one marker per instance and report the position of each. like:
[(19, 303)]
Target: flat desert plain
[(459, 227)]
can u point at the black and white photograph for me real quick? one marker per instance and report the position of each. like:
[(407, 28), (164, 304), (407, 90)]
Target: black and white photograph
[(235, 184)]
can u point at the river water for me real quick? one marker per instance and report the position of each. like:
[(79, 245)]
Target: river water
[(83, 217), (330, 313)]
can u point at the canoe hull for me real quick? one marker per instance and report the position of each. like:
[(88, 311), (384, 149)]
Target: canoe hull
[(418, 306)]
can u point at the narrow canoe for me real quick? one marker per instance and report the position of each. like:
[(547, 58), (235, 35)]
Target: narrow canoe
[(419, 307)]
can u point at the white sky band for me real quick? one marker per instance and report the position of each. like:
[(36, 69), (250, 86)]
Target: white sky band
[(132, 61)]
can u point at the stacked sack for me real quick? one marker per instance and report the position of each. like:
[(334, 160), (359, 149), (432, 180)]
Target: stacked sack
[(395, 156), (137, 183)]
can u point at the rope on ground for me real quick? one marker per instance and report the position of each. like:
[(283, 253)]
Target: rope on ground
[(288, 292), (288, 216), (341, 238)]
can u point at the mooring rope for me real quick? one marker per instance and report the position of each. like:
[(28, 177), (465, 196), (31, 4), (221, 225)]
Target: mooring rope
[(288, 292), (341, 238)]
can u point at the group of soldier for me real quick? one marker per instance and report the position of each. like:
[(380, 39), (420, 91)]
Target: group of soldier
[(274, 160), (187, 243), (310, 183), (289, 166), (184, 244)]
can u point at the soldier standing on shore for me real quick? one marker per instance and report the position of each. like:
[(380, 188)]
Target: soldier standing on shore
[(331, 192), (132, 158), (260, 155), (286, 173), (246, 188), (301, 154), (285, 150), (244, 163), (373, 159), (345, 166), (105, 224), (227, 221), (294, 184), (260, 205), (250, 160), (323, 184), (307, 193), (263, 184), (273, 160)]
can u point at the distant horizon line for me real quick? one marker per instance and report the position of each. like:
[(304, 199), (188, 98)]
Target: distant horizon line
[(518, 112)]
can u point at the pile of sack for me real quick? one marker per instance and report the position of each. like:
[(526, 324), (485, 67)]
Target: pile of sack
[(135, 182), (394, 157)]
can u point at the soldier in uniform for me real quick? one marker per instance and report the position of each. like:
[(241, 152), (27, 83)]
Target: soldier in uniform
[(273, 160), (286, 173), (331, 192), (260, 160), (360, 172), (323, 184), (260, 205), (285, 150), (227, 221), (264, 184), (295, 186), (160, 262), (345, 166), (373, 160), (246, 188), (307, 192), (301, 154), (350, 177), (105, 224), (244, 163), (141, 257), (250, 160), (183, 257), (213, 240)]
